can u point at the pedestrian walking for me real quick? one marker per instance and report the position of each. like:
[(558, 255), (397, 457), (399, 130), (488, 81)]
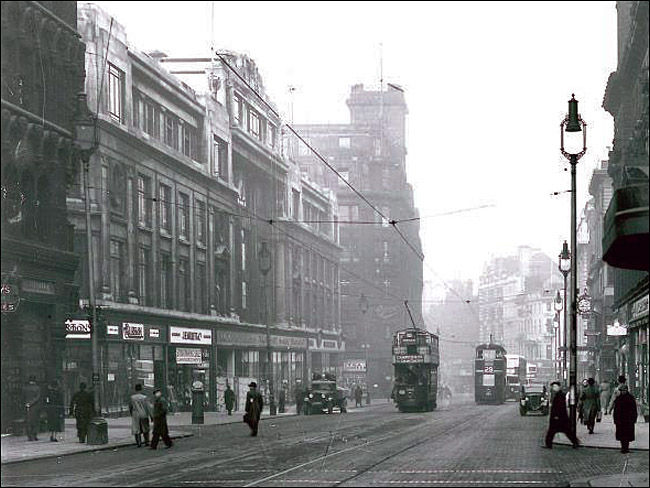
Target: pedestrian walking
[(229, 399), (589, 404), (32, 402), (358, 396), (625, 417), (281, 399), (617, 391), (559, 419), (159, 418), (140, 414), (254, 405), (605, 393), (54, 409), (82, 408), (300, 397)]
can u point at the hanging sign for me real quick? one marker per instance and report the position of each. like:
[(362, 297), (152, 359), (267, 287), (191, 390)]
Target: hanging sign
[(584, 303), (77, 329), (132, 332)]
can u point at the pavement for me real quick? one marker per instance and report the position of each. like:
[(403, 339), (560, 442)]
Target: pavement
[(604, 436), (17, 449)]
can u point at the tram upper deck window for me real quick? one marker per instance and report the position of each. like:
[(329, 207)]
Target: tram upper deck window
[(487, 354)]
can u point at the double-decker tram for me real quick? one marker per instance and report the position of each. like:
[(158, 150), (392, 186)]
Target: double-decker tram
[(416, 360), (516, 370), (490, 374)]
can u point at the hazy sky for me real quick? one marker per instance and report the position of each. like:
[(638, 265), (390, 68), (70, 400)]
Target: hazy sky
[(487, 85)]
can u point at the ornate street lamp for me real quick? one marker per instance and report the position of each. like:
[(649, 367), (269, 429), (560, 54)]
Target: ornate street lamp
[(558, 355), (564, 265), (573, 125), (264, 259)]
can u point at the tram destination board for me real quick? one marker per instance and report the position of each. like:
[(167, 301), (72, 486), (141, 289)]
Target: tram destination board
[(409, 358)]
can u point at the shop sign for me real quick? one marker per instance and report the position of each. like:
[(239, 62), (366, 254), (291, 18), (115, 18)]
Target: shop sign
[(132, 332), (186, 355), (354, 365), (183, 335), (10, 293), (325, 345), (639, 308), (154, 333), (231, 338), (617, 329), (77, 329), (112, 330), (291, 342)]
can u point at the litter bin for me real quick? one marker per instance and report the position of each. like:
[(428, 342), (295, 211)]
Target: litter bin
[(97, 431), (198, 397)]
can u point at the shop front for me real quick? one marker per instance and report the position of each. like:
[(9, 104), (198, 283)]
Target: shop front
[(190, 358), (242, 357), (638, 348)]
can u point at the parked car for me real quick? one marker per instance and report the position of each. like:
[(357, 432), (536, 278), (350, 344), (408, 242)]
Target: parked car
[(533, 398), (324, 396)]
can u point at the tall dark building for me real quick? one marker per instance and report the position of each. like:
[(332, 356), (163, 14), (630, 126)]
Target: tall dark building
[(42, 73), (378, 269), (625, 231)]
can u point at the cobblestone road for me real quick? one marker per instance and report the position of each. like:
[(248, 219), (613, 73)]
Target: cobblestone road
[(461, 445)]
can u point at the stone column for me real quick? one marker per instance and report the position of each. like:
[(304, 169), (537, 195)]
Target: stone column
[(280, 283)]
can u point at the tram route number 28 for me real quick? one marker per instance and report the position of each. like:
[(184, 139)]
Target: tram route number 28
[(488, 369)]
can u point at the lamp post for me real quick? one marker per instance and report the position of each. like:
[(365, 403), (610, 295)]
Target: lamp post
[(87, 143), (564, 265), (363, 306), (572, 124), (558, 355), (264, 257)]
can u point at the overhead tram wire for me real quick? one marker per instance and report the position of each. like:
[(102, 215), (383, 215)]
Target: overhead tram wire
[(392, 222)]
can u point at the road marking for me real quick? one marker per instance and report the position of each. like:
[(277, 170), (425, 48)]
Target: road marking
[(459, 482)]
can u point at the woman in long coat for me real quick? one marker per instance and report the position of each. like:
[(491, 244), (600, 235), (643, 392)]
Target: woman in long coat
[(55, 409), (625, 417), (605, 393), (590, 404)]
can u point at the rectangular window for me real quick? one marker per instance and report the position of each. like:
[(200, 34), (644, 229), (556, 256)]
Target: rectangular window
[(239, 110), (296, 204), (244, 295), (171, 131), (144, 200), (219, 158), (344, 142), (183, 285), (200, 221), (151, 119), (166, 279), (254, 124), (201, 289), (144, 276), (270, 135), (183, 215), (117, 269), (115, 92), (189, 141), (137, 102), (165, 195)]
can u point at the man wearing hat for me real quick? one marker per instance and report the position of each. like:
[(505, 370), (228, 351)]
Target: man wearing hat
[(32, 402), (159, 418), (254, 405), (558, 419)]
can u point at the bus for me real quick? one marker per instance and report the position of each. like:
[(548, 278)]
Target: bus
[(516, 371), (415, 361), (490, 374)]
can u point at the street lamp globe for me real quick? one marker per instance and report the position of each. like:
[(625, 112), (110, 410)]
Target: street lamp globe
[(564, 264), (85, 127)]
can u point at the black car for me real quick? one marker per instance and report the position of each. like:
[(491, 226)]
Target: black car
[(324, 396), (533, 398)]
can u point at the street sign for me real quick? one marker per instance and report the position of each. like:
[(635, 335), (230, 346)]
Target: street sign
[(584, 303)]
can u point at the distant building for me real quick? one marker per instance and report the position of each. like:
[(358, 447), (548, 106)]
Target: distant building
[(42, 73), (370, 154), (625, 232), (516, 294)]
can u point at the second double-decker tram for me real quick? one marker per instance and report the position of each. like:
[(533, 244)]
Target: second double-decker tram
[(490, 374), (416, 361)]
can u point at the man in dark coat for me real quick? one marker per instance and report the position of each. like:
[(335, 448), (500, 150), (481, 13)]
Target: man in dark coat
[(254, 405), (358, 395), (625, 417), (82, 408), (229, 399), (558, 419), (55, 409), (590, 404), (299, 393), (159, 419), (282, 396), (32, 402)]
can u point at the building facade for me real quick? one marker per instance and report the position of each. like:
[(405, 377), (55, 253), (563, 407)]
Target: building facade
[(42, 73), (378, 270), (183, 187), (625, 235)]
